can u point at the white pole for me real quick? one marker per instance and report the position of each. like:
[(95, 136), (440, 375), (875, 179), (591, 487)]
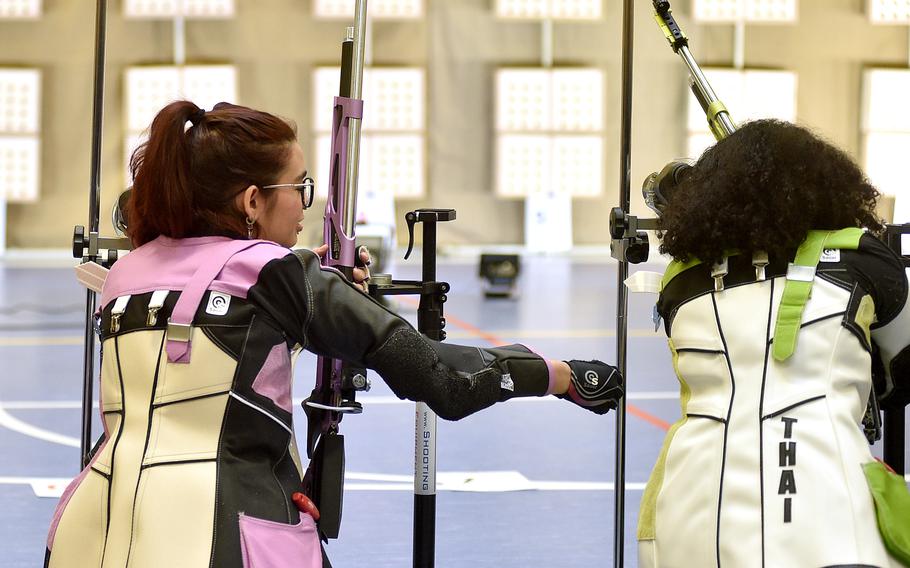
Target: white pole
[(180, 39), (739, 43), (546, 43)]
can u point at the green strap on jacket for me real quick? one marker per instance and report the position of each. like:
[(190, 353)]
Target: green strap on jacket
[(800, 277)]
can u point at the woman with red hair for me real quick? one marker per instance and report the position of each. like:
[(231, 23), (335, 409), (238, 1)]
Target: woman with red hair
[(197, 465)]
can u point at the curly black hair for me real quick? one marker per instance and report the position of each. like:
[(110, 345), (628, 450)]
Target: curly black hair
[(762, 189)]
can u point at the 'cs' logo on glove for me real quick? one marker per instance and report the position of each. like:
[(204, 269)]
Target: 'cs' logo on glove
[(592, 378)]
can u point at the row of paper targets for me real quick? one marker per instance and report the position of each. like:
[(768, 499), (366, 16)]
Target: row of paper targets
[(393, 135), (710, 11), (549, 126), (549, 122), (568, 102), (545, 117)]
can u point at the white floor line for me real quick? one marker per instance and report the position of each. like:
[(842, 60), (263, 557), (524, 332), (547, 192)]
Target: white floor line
[(41, 341), (11, 422), (447, 481), (43, 404), (379, 400)]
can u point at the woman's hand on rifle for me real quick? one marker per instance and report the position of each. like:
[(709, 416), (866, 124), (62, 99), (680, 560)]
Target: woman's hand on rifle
[(361, 271)]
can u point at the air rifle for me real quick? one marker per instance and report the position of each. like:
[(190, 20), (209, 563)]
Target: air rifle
[(336, 380), (658, 184), (629, 242)]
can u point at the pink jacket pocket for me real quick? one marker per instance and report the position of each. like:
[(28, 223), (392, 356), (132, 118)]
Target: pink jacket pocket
[(268, 544)]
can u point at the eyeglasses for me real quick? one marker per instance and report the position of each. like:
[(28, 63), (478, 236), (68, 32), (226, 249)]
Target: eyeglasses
[(307, 189)]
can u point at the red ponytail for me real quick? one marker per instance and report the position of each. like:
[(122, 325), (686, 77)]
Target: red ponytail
[(185, 180)]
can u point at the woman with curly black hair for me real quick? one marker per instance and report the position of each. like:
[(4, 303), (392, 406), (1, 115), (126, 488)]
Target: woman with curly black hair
[(764, 189), (778, 305)]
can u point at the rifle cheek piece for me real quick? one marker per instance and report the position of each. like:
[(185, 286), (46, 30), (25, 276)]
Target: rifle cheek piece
[(658, 187), (408, 355)]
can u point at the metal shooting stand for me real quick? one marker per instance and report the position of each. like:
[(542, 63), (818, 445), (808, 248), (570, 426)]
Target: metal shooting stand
[(90, 246), (430, 322), (630, 244), (629, 238)]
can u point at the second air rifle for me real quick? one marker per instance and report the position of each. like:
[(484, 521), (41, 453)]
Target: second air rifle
[(629, 242)]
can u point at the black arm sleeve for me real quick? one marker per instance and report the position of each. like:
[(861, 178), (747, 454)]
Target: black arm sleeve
[(319, 309), (880, 272)]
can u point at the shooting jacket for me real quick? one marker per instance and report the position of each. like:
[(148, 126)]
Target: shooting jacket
[(764, 469), (198, 463)]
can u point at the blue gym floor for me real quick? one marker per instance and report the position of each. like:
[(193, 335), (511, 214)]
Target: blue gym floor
[(564, 308)]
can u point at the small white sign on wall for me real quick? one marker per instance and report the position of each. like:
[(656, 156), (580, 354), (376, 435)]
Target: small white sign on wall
[(548, 222)]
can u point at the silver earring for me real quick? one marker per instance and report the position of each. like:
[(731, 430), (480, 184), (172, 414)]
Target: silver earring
[(249, 227)]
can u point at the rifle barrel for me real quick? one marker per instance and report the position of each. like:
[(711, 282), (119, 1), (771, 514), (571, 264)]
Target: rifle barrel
[(349, 215), (718, 118), (706, 95)]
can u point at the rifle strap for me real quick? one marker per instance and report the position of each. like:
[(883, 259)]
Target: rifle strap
[(179, 325)]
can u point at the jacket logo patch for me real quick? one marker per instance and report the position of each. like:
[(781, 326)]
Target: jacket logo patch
[(218, 304), (830, 255)]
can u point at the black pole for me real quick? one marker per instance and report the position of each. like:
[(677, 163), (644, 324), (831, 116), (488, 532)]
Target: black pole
[(894, 422), (622, 297), (429, 322), (894, 416), (94, 207)]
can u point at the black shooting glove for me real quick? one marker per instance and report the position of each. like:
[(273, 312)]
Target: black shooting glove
[(595, 386)]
